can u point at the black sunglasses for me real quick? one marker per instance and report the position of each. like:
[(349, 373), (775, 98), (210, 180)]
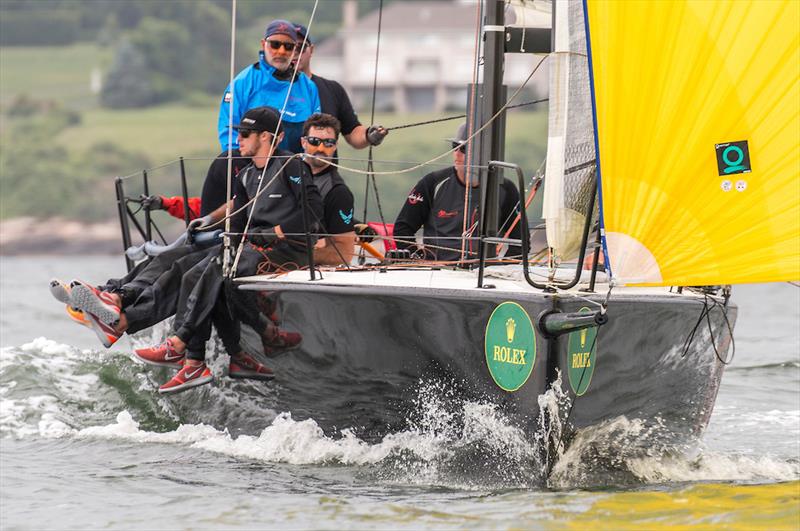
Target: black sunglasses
[(327, 142), (288, 46), (460, 146), (245, 133)]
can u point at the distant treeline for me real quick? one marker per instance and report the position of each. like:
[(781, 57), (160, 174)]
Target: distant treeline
[(158, 44)]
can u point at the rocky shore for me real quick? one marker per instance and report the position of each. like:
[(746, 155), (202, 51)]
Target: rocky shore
[(58, 236)]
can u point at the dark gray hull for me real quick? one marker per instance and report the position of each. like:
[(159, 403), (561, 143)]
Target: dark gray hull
[(367, 350)]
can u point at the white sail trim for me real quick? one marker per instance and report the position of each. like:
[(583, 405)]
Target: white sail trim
[(553, 202), (631, 261)]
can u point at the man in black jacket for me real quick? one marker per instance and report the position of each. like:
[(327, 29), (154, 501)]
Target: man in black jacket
[(436, 203), (268, 199), (334, 100)]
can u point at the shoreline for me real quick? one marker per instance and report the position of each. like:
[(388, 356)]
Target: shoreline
[(58, 236)]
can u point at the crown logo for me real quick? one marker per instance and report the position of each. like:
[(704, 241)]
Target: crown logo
[(583, 337), (511, 328)]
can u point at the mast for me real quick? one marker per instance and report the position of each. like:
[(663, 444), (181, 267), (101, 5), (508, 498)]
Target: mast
[(492, 95)]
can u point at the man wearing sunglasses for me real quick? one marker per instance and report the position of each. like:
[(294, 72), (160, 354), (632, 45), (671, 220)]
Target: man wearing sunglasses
[(436, 204), (276, 217), (267, 83), (320, 135), (334, 100)]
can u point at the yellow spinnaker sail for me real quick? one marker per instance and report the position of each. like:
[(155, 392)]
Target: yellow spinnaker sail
[(676, 84)]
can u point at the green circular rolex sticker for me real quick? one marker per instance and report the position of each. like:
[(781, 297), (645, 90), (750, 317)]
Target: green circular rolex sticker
[(581, 357), (510, 346)]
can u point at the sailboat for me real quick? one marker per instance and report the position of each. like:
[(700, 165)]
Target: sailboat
[(674, 127)]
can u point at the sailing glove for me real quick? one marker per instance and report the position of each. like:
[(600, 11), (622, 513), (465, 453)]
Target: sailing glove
[(376, 134), (364, 232), (196, 225), (152, 202), (262, 237)]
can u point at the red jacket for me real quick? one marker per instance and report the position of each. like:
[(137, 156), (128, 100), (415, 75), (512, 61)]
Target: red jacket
[(174, 206)]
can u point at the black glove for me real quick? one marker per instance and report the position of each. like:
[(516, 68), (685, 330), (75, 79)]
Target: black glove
[(152, 202), (376, 134), (364, 232), (262, 237), (195, 225)]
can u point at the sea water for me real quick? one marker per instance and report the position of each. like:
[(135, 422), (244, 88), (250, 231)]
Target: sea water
[(87, 442)]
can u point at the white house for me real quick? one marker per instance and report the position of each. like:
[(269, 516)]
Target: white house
[(427, 56)]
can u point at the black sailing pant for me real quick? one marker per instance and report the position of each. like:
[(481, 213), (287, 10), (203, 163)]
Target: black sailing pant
[(205, 298), (150, 291)]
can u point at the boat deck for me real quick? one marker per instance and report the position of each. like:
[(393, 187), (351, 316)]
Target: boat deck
[(504, 279)]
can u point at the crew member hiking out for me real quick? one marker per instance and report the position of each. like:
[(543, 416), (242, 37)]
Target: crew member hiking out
[(275, 241), (319, 140)]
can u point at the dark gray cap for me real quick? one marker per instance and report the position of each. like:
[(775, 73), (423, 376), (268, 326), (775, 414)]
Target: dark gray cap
[(461, 134)]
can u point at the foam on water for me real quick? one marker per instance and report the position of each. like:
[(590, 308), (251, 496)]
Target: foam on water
[(450, 441)]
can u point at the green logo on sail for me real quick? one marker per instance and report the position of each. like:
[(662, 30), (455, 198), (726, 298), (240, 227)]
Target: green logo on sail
[(581, 357), (510, 346), (733, 157)]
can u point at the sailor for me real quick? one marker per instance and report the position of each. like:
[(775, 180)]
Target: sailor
[(268, 82), (335, 101), (151, 297), (320, 136), (265, 82), (275, 241), (436, 203)]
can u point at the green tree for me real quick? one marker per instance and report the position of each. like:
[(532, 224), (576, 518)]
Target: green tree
[(128, 83)]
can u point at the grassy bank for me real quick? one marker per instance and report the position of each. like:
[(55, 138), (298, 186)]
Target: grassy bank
[(75, 148)]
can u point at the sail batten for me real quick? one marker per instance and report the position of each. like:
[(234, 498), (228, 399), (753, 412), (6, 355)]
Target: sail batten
[(697, 108)]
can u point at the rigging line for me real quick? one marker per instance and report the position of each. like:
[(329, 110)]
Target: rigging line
[(471, 110), (226, 243), (370, 166), (460, 116), (449, 151), (158, 167), (793, 283), (275, 138)]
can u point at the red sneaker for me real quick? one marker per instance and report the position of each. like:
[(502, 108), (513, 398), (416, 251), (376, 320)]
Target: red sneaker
[(98, 303), (276, 340), (243, 365), (163, 355), (189, 376)]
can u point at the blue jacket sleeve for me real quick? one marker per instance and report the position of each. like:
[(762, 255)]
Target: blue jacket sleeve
[(314, 98), (239, 102)]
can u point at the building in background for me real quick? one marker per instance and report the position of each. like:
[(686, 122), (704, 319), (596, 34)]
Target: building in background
[(427, 57)]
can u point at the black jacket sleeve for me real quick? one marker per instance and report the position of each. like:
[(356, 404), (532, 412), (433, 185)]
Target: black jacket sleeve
[(415, 212), (347, 116), (339, 208), (294, 223), (215, 186), (239, 200)]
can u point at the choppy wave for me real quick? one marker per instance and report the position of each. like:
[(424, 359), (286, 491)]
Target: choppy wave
[(51, 390)]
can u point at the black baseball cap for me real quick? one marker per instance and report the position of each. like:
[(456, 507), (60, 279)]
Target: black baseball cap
[(260, 119)]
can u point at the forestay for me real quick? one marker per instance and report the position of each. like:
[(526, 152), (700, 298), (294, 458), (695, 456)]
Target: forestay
[(698, 126)]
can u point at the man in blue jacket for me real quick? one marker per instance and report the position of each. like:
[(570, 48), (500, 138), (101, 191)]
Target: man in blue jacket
[(267, 83)]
